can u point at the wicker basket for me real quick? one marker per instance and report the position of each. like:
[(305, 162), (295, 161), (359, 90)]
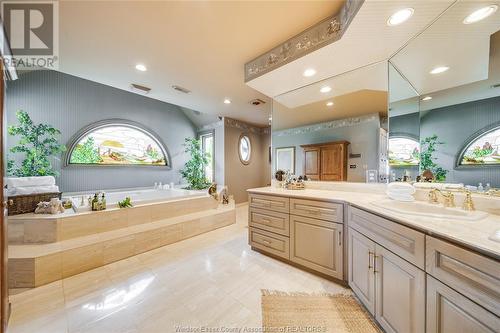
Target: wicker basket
[(21, 204)]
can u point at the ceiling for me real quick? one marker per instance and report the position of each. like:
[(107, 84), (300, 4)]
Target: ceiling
[(471, 51), (367, 40), (199, 45)]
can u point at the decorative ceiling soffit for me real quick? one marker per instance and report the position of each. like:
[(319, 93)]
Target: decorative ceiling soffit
[(347, 122), (323, 33)]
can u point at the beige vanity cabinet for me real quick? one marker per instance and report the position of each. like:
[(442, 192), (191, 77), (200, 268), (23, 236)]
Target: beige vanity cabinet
[(391, 288), (361, 277), (317, 244), (399, 293), (305, 232), (449, 311)]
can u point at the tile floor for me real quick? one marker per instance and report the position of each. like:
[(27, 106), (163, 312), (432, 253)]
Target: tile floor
[(212, 280)]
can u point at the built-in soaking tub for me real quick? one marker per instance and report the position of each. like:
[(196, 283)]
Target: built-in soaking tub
[(137, 196)]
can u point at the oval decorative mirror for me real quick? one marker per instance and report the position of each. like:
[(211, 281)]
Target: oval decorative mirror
[(245, 149)]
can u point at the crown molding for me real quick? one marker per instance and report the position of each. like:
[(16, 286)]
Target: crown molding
[(319, 35)]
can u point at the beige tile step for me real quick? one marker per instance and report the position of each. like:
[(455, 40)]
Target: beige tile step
[(33, 265), (39, 229)]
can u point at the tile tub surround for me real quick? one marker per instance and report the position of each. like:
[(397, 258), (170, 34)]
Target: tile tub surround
[(470, 234), (36, 228), (32, 265)]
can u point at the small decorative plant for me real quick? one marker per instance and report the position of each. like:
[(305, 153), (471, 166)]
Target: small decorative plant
[(428, 147), (194, 169), (126, 203), (38, 142)]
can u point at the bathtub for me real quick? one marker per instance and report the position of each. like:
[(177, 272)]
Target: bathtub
[(80, 201)]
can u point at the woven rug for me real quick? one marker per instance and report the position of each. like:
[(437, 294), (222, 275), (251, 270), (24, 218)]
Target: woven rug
[(302, 312)]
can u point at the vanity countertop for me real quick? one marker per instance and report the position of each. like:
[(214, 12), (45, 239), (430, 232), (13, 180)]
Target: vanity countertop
[(471, 234)]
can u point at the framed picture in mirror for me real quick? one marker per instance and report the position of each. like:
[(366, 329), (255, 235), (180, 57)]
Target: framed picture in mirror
[(285, 159)]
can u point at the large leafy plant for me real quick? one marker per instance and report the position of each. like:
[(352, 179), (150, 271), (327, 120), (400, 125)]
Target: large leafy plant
[(194, 169), (427, 160), (38, 142)]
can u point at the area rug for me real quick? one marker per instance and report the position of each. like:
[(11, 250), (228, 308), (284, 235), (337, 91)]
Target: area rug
[(303, 312)]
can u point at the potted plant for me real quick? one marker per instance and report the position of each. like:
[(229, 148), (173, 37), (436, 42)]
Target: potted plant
[(194, 169), (38, 142), (428, 147)]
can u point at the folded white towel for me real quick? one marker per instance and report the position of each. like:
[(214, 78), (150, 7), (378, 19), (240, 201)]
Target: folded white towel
[(400, 197), (13, 182), (32, 190)]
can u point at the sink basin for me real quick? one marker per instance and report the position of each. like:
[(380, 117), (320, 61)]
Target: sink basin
[(419, 208), (496, 236)]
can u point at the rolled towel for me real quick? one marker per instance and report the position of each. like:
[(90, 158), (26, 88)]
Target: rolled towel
[(32, 190), (13, 182)]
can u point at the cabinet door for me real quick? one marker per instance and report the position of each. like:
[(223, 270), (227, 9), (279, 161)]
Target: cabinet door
[(450, 312), (311, 163), (316, 244), (400, 293), (360, 265), (332, 161)]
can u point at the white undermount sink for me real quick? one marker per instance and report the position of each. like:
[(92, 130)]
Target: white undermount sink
[(419, 208)]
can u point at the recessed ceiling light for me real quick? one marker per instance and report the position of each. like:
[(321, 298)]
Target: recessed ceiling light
[(427, 98), (227, 101), (480, 14), (440, 69), (309, 72), (400, 16), (325, 89), (141, 67), (329, 104)]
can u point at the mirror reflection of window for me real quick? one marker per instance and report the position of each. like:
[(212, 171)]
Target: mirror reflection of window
[(208, 147), (404, 152), (245, 149)]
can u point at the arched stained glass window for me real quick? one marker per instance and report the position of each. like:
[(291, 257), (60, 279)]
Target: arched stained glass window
[(404, 151), (483, 149), (116, 144)]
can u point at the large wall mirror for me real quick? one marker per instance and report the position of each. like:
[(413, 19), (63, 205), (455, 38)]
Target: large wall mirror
[(336, 128), (454, 123)]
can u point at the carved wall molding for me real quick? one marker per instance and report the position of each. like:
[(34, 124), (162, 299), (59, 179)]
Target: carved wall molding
[(230, 122), (347, 122), (323, 33)]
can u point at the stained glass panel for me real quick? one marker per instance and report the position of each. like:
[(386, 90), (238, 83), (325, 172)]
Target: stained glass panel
[(483, 150)]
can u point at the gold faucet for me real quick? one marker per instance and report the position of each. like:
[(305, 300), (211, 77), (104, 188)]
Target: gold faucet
[(468, 203), (449, 198)]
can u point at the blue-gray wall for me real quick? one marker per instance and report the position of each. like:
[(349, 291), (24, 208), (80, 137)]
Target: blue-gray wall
[(363, 138), (454, 125), (70, 103)]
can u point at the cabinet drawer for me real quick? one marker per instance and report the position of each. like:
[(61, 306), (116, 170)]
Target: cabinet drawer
[(317, 209), (407, 243), (449, 311), (269, 242), (278, 204), (474, 275), (269, 220)]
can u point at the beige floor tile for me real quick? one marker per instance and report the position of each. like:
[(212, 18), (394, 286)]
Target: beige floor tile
[(211, 280)]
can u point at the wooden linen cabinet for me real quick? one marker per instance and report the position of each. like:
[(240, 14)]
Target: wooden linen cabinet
[(326, 161)]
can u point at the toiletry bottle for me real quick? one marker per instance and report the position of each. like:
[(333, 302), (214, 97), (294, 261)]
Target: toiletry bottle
[(95, 202), (160, 186), (480, 187), (103, 202), (487, 187)]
